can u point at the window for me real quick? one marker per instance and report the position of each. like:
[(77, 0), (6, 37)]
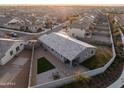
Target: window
[(92, 52), (11, 53), (52, 49), (73, 34), (86, 54), (21, 44), (56, 52), (61, 56), (17, 48)]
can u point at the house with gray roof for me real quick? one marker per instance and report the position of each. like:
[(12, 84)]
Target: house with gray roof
[(69, 50), (83, 23), (8, 49)]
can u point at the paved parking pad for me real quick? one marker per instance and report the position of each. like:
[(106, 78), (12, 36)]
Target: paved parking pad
[(15, 73), (20, 61)]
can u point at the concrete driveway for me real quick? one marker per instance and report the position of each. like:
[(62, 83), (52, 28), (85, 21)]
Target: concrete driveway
[(16, 72)]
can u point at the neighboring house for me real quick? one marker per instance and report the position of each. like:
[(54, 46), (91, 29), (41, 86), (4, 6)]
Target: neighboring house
[(78, 33), (24, 24), (8, 49), (81, 28), (15, 23), (69, 50), (120, 19), (83, 23), (36, 27), (54, 21)]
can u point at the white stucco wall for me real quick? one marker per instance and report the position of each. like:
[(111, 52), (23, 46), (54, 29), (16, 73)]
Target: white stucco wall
[(54, 53), (86, 54), (7, 56), (76, 33)]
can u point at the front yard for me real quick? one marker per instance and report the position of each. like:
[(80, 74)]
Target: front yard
[(103, 55), (43, 65)]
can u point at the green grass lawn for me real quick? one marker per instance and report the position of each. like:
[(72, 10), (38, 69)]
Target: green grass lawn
[(43, 65), (103, 55)]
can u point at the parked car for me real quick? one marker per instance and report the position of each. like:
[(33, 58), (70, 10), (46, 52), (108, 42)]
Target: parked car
[(13, 34)]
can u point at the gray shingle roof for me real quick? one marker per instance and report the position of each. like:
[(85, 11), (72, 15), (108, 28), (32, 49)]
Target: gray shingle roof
[(84, 23), (64, 45)]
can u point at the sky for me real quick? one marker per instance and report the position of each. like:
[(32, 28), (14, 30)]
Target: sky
[(53, 2)]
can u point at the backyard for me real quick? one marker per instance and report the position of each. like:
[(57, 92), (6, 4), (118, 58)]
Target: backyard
[(105, 79), (103, 55), (43, 65)]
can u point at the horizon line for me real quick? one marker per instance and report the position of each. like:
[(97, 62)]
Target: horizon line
[(62, 4)]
